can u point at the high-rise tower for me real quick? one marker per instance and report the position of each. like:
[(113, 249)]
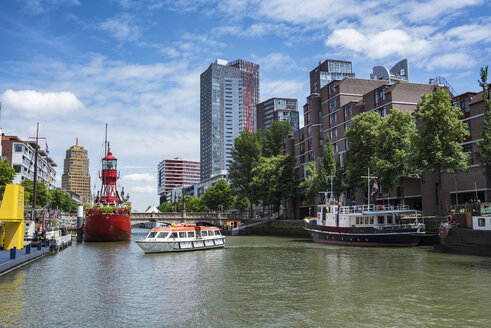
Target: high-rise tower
[(76, 177), (249, 73), (228, 96)]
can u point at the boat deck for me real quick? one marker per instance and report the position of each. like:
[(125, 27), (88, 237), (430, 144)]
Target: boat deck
[(7, 264)]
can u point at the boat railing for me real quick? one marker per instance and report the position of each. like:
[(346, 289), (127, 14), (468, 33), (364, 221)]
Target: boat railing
[(389, 227), (371, 208)]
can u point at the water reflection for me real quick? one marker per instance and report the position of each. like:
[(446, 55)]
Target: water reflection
[(12, 299), (254, 281)]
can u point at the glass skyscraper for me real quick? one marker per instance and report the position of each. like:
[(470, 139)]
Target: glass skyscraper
[(228, 97)]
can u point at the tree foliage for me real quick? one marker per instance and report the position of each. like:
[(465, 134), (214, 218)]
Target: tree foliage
[(218, 195), (240, 203), (485, 144), (438, 145), (61, 199), (41, 192), (166, 207), (7, 174), (362, 137), (318, 173), (273, 180), (245, 155), (274, 136), (394, 149)]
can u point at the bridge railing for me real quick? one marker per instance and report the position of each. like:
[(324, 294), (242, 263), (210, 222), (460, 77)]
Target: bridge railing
[(177, 216)]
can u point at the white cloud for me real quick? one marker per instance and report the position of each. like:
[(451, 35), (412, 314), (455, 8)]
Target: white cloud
[(33, 103), (284, 89), (121, 28), (143, 189), (454, 60), (424, 11), (139, 177), (380, 44)]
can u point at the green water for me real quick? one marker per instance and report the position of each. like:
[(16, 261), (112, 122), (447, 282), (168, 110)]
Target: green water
[(253, 282)]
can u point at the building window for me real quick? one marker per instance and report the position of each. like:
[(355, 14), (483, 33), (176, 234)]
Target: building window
[(332, 105), (18, 148)]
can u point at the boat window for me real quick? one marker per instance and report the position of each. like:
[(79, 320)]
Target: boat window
[(182, 234), (481, 222), (371, 220), (357, 220), (173, 235), (380, 220), (163, 234), (152, 234), (217, 232), (204, 233), (190, 234)]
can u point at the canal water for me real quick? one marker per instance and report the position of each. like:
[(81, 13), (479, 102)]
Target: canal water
[(253, 282)]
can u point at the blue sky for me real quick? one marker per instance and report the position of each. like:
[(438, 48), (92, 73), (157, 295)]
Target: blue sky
[(74, 65)]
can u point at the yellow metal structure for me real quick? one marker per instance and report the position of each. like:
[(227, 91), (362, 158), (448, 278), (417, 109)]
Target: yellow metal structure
[(12, 214)]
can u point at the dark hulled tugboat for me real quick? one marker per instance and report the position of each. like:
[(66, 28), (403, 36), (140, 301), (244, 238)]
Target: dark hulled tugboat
[(109, 220), (467, 230)]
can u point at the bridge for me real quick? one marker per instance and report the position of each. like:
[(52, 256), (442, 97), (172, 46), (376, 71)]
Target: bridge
[(148, 220)]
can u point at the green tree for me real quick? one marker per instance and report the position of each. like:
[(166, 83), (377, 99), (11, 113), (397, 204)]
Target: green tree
[(166, 207), (362, 136), (393, 152), (245, 154), (240, 203), (274, 136), (41, 192), (311, 183), (7, 174), (193, 204), (273, 180), (438, 147), (58, 199), (485, 144), (218, 195), (318, 172), (327, 165)]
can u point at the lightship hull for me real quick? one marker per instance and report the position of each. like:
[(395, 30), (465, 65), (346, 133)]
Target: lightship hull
[(363, 236), (107, 227)]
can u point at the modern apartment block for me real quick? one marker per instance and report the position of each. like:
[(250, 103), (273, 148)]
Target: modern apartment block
[(21, 154), (173, 173), (76, 177), (229, 93), (328, 71), (277, 109)]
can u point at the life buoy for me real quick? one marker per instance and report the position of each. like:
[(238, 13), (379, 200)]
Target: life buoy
[(380, 208), (450, 219)]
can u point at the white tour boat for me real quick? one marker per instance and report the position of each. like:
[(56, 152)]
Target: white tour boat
[(175, 238)]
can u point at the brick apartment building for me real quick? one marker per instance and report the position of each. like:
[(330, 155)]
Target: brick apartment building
[(331, 111)]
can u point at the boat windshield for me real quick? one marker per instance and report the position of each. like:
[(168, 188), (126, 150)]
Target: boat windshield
[(163, 234), (152, 234)]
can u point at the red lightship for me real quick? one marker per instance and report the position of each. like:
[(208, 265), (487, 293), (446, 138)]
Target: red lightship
[(111, 220)]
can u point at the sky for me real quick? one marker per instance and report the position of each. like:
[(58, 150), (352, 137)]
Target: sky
[(75, 65)]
